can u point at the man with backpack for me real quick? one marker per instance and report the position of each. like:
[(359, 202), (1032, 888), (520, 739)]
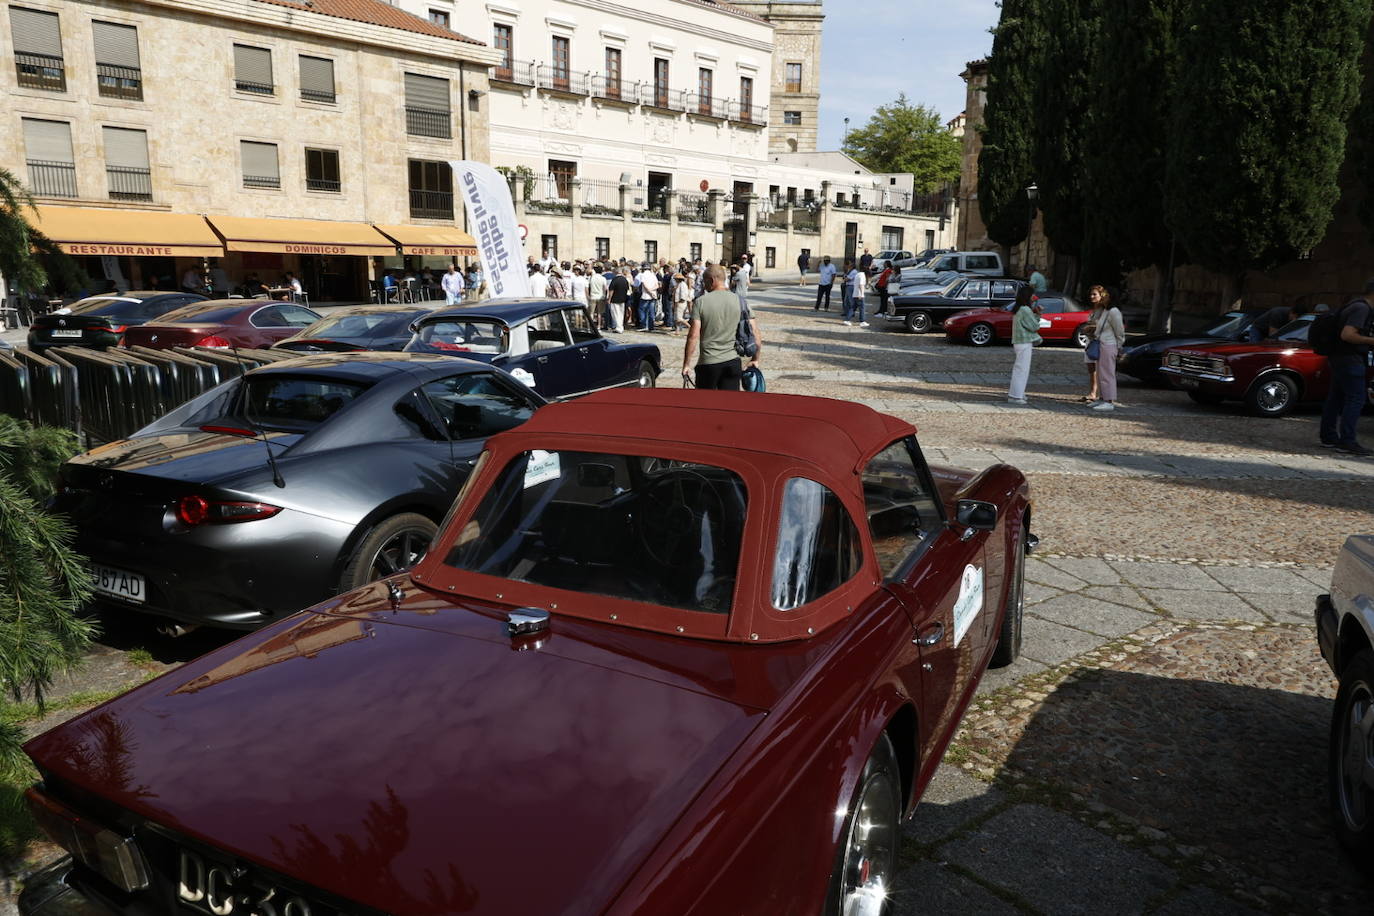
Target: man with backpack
[(1344, 338), (713, 333)]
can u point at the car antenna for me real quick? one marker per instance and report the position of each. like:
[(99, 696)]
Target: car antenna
[(271, 459)]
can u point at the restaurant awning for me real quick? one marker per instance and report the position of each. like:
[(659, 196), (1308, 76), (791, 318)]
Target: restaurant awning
[(438, 240), (300, 236), (100, 231)]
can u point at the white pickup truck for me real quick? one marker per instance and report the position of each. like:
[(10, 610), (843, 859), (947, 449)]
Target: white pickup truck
[(1345, 633), (952, 264)]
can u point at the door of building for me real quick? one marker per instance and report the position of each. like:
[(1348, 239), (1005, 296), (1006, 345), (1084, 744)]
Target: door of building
[(851, 240)]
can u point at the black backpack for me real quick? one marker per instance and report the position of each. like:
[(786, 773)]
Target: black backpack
[(1324, 335), (745, 344)]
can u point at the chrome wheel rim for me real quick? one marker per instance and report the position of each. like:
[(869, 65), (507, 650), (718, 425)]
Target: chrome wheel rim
[(399, 552), (1272, 396), (1355, 779), (980, 334), (869, 850), (646, 379), (919, 323)]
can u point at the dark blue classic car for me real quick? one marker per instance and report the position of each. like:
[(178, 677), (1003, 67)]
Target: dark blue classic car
[(552, 346)]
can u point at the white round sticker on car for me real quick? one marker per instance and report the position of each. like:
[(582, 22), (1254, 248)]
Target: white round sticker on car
[(524, 375)]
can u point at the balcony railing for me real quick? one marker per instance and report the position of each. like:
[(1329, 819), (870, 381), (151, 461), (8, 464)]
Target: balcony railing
[(129, 183), (666, 99), (52, 179), (754, 115), (431, 204), (117, 82), (426, 122), (262, 181), (617, 90), (254, 88), (318, 95), (323, 184), (707, 106), (519, 73), (600, 196), (550, 77), (40, 71), (693, 208)]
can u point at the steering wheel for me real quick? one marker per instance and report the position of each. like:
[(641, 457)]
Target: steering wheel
[(673, 508)]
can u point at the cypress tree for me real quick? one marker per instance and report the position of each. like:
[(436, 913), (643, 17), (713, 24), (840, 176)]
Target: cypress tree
[(1262, 93), (1005, 164)]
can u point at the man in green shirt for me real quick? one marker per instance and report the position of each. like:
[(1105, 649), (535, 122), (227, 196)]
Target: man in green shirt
[(715, 317)]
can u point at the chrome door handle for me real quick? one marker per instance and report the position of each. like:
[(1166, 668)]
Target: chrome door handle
[(542, 359), (931, 637)]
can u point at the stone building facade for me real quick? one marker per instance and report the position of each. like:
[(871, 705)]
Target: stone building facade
[(796, 72)]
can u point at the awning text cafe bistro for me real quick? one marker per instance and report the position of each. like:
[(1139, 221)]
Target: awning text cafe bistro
[(335, 261)]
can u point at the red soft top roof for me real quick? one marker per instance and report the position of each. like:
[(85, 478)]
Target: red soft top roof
[(823, 431)]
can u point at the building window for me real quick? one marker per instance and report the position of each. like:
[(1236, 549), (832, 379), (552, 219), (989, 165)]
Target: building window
[(427, 107), (253, 70), (322, 170), (118, 71), (431, 190), (892, 238), (317, 79), (746, 98), (839, 198), (930, 238), (793, 79), (661, 82), (705, 78), (603, 248), (48, 149), (126, 164), (563, 174), (562, 54), (770, 256), (439, 18), (694, 251), (612, 73), (792, 117), (549, 245), (791, 195), (501, 39), (259, 164), (38, 50), (809, 196), (651, 251)]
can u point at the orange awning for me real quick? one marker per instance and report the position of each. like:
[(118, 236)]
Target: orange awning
[(101, 231), (300, 236), (438, 240)]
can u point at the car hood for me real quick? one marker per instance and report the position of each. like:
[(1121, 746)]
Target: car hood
[(1241, 348), (1157, 343), (185, 455), (974, 313), (416, 759)]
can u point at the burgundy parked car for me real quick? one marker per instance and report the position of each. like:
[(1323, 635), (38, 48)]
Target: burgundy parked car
[(244, 323), (673, 652)]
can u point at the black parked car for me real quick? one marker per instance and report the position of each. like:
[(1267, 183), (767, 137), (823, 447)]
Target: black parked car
[(362, 327), (1141, 356), (921, 313), (274, 491), (99, 321)]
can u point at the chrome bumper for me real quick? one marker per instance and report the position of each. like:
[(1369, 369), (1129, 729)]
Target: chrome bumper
[(1202, 376), (47, 893)]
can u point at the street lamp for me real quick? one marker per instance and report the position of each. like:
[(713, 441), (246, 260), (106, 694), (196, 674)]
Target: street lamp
[(1032, 195), (846, 132)]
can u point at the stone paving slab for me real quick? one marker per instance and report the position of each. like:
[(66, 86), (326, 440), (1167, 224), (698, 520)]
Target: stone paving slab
[(1090, 569), (1091, 615), (1202, 900), (952, 800), (931, 887), (1051, 643), (1272, 581), (1284, 608), (1168, 575), (1201, 605)]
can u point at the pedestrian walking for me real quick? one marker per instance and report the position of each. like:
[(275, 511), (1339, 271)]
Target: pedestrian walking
[(846, 288), (803, 262), (578, 286), (709, 356), (596, 297), (866, 262), (883, 283), (856, 283), (1347, 358), (742, 278), (618, 293), (1025, 334), (1109, 334), (452, 283), (1036, 280), (539, 281), (682, 295), (825, 280), (648, 297)]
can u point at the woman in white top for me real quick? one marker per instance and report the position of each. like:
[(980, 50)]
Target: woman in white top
[(1110, 335)]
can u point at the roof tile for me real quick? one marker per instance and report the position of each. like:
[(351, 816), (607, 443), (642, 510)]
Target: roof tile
[(374, 12)]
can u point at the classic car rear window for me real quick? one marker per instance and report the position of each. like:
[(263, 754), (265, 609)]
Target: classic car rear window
[(383, 324), (290, 402), (471, 335), (647, 529), (203, 313), (115, 308), (818, 545)]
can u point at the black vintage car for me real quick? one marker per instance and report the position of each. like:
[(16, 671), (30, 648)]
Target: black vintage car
[(287, 485), (99, 321), (921, 313), (1141, 356)]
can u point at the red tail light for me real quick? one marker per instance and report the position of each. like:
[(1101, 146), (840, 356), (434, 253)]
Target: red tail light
[(213, 341), (119, 328), (116, 857), (193, 511)]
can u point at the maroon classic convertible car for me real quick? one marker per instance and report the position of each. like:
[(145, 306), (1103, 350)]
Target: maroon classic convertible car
[(638, 671)]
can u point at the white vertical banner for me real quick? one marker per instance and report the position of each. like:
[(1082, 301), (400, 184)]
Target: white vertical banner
[(491, 215)]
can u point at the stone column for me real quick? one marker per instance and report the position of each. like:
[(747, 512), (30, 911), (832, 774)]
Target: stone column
[(519, 197), (715, 203), (670, 201), (626, 224)]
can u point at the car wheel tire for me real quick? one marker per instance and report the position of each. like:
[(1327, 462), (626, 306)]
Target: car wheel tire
[(1009, 636), (918, 322), (648, 377), (1272, 396), (394, 546), (1351, 757), (1080, 336), (1205, 398), (866, 864), (981, 334)]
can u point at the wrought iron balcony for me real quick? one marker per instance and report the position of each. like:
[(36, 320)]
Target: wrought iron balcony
[(549, 77), (318, 95), (262, 181), (117, 82), (666, 99), (52, 179), (752, 115), (707, 106), (254, 88), (333, 185), (40, 71), (519, 73), (614, 88), (426, 122), (129, 183), (431, 204)]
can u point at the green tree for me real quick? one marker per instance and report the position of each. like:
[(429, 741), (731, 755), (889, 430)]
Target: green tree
[(902, 137), (43, 583), (1125, 130), (1262, 94), (1005, 167), (28, 258)]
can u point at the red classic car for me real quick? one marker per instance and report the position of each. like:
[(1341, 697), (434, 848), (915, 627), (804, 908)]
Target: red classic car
[(247, 323), (1272, 376), (673, 652), (1061, 319)]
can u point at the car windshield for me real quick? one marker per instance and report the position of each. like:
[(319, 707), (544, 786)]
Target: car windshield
[(291, 402), (951, 287), (655, 530), (382, 324), (887, 256), (203, 313), (1296, 330), (108, 306), (1232, 323), (942, 263), (470, 335)]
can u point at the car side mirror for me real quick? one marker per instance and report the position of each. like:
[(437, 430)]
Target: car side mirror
[(975, 514), (413, 327)]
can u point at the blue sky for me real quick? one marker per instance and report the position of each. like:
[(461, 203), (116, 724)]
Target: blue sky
[(872, 51)]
